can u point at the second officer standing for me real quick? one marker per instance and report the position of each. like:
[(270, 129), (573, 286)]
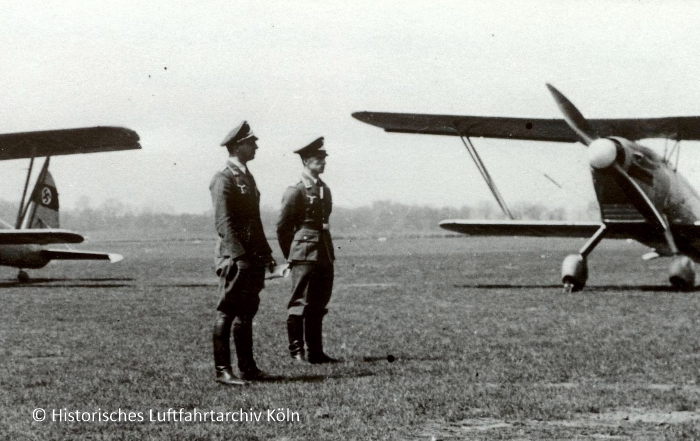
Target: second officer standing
[(305, 240)]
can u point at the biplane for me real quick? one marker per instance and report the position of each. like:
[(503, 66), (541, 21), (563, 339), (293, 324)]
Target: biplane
[(30, 242), (640, 192)]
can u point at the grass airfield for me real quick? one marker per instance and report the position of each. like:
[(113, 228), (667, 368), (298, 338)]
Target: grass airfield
[(483, 344)]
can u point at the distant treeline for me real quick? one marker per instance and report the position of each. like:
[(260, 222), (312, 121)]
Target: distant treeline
[(382, 218)]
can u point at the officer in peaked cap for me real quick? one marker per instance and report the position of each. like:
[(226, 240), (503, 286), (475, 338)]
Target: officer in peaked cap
[(314, 149), (239, 135), (242, 254), (305, 240)]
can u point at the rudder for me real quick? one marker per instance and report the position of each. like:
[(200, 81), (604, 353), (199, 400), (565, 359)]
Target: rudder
[(42, 211)]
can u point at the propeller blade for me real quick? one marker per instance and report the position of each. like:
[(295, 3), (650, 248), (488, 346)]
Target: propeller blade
[(573, 117)]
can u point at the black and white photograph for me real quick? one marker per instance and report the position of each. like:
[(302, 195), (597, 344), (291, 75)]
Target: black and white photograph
[(366, 220)]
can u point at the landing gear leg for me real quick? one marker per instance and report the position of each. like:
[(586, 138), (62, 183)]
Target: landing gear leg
[(22, 276), (574, 268)]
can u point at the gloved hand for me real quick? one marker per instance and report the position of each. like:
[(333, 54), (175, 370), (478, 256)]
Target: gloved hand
[(271, 264)]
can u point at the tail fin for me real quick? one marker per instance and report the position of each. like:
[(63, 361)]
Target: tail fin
[(42, 211)]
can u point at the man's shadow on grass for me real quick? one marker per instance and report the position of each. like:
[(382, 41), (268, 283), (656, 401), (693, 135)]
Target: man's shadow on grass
[(399, 358), (315, 378), (351, 373)]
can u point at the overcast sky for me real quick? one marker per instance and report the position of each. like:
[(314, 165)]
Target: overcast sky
[(182, 74)]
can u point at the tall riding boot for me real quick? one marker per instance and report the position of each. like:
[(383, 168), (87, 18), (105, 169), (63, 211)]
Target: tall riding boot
[(221, 338), (314, 340), (243, 339), (295, 331)]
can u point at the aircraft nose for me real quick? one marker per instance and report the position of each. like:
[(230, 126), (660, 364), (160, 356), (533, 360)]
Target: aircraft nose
[(602, 153)]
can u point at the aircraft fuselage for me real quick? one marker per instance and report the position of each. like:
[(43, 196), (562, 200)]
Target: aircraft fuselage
[(23, 256), (667, 189)]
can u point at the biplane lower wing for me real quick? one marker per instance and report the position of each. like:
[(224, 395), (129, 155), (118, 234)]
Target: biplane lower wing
[(521, 228), (38, 237), (66, 142), (534, 129), (638, 230)]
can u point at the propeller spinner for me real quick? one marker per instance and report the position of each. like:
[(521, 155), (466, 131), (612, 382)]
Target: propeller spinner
[(602, 153)]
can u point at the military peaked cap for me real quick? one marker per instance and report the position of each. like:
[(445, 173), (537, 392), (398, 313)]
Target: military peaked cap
[(239, 134), (313, 149)]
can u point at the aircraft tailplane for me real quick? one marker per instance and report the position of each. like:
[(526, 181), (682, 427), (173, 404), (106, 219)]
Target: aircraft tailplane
[(42, 211), (80, 255)]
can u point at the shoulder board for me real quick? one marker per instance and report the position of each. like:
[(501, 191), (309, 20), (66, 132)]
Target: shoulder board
[(296, 187), (234, 171), (306, 182)]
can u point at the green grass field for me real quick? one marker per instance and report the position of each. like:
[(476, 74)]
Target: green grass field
[(484, 346)]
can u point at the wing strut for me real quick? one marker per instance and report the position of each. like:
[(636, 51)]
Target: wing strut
[(668, 155), (485, 174), (25, 207), (20, 213)]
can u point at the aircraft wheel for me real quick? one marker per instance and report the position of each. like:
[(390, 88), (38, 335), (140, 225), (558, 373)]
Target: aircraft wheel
[(682, 273), (22, 277), (570, 285), (574, 273)]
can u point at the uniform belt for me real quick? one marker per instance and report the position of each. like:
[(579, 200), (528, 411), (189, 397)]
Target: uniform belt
[(315, 226)]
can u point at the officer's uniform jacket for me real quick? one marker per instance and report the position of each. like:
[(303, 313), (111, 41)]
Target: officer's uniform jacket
[(236, 201), (302, 229)]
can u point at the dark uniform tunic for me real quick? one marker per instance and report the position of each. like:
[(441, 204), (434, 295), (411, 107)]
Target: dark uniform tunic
[(305, 240), (236, 203)]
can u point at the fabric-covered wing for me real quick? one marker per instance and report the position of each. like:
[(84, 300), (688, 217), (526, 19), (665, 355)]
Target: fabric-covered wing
[(521, 228), (687, 235), (66, 142), (638, 230), (556, 130), (38, 237)]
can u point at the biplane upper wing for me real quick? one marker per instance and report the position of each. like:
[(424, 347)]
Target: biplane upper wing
[(66, 142), (556, 130), (38, 237)]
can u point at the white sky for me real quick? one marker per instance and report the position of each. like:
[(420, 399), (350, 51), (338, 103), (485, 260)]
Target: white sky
[(182, 74)]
